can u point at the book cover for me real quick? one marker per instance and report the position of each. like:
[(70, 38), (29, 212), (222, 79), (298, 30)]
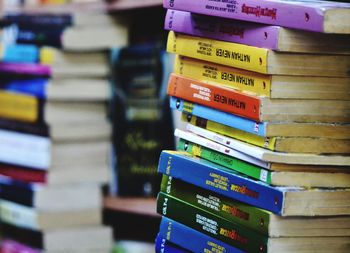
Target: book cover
[(23, 174), (304, 145), (253, 34), (277, 174), (191, 239), (20, 53), (263, 157), (318, 16), (25, 69), (286, 201), (257, 59), (36, 87), (215, 96), (212, 225), (254, 218), (273, 86)]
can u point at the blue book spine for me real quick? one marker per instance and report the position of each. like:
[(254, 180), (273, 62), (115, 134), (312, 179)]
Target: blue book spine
[(219, 179), (35, 86), (164, 246), (191, 239), (258, 128), (16, 53)]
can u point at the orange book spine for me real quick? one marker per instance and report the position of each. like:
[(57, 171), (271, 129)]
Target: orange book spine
[(214, 96)]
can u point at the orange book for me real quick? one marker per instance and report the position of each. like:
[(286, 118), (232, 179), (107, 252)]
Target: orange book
[(214, 96)]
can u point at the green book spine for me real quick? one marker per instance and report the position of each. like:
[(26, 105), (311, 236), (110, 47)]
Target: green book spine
[(210, 224), (226, 161), (234, 211)]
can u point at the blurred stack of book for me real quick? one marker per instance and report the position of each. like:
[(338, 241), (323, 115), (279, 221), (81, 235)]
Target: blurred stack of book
[(55, 135), (263, 163)]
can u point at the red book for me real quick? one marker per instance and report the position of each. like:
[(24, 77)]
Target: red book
[(23, 174), (214, 96)]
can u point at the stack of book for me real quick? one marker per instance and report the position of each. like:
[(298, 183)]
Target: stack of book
[(263, 163), (55, 139)]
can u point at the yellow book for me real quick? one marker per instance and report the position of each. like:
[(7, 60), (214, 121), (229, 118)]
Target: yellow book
[(226, 53), (18, 106), (256, 59), (265, 142), (244, 81)]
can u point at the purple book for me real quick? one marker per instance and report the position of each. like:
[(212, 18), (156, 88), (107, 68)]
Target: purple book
[(25, 69), (254, 34), (10, 246), (311, 15)]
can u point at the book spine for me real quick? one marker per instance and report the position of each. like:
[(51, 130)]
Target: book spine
[(18, 215), (288, 14), (19, 106), (22, 174), (10, 246), (25, 69), (234, 211), (188, 136), (191, 239), (17, 53), (264, 142), (217, 28), (226, 161), (164, 246), (221, 52), (214, 96), (212, 225), (221, 117), (238, 79), (44, 20), (25, 149), (34, 86), (221, 180)]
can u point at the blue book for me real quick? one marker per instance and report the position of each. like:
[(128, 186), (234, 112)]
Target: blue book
[(285, 201), (191, 239), (19, 53), (208, 175), (221, 117), (32, 86), (162, 245)]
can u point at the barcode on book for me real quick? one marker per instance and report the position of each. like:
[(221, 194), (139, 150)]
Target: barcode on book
[(263, 175)]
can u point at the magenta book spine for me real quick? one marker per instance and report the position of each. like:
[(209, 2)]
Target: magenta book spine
[(10, 246), (25, 69), (252, 34), (304, 15)]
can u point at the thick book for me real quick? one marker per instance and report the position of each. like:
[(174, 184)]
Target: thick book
[(192, 239), (288, 145), (36, 219), (255, 218), (318, 16), (273, 86), (261, 60), (233, 234), (294, 175), (76, 239), (266, 129), (51, 198), (259, 35), (263, 157), (20, 53), (286, 201), (210, 224), (258, 108)]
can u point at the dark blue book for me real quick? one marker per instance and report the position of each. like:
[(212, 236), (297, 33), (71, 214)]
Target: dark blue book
[(30, 86), (164, 246), (60, 20), (191, 239), (285, 201)]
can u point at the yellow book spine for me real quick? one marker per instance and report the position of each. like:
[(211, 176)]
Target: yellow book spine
[(18, 106), (226, 53), (244, 81), (47, 56), (264, 142)]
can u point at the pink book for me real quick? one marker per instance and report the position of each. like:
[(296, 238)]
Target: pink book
[(311, 15), (11, 246), (25, 69)]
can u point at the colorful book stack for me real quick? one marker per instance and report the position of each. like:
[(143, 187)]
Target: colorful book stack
[(54, 144), (263, 163)]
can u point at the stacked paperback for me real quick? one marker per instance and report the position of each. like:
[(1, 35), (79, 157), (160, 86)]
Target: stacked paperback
[(54, 134), (263, 160)]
